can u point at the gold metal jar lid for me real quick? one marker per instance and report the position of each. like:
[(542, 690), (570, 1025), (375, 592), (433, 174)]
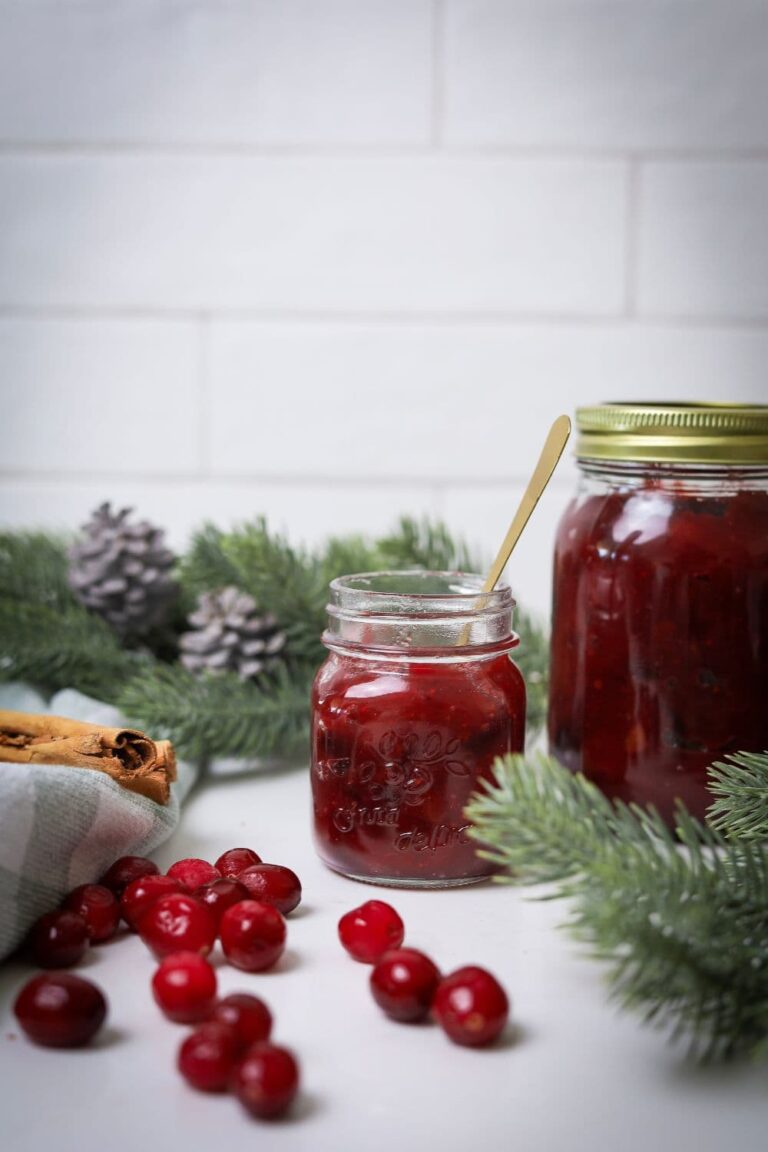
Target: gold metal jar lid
[(674, 433)]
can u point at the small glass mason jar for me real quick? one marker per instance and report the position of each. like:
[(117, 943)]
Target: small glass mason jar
[(416, 699), (660, 609)]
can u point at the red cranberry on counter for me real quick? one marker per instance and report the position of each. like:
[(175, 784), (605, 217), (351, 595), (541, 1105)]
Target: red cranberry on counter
[(141, 894), (58, 939), (192, 872), (252, 935), (208, 1056), (247, 1014), (403, 984), (471, 1006), (266, 1080), (219, 895), (177, 923), (272, 884), (184, 987), (99, 908), (125, 870), (371, 930), (60, 1010), (236, 860)]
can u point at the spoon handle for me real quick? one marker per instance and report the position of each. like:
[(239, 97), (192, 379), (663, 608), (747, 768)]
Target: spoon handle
[(550, 454)]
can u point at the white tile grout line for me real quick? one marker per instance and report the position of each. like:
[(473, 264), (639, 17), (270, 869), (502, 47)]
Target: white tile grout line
[(411, 319), (437, 59), (204, 398), (632, 239), (438, 493), (362, 150), (434, 486)]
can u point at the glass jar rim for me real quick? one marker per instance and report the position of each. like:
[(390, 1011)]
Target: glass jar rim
[(419, 611), (419, 588)]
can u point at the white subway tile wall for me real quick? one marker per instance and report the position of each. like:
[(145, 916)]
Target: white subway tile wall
[(333, 261)]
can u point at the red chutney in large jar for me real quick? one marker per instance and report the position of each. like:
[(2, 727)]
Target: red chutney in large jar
[(400, 741), (660, 626)]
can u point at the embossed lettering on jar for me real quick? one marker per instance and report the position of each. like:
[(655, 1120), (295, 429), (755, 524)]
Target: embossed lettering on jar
[(417, 698)]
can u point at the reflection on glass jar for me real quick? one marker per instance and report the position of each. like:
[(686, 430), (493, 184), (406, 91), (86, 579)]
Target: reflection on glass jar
[(415, 701), (660, 611)]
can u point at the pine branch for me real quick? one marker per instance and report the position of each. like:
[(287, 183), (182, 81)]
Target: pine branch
[(63, 646), (344, 555), (286, 581), (33, 568), (532, 657), (682, 924), (207, 564), (425, 544), (221, 715), (741, 788), (48, 638)]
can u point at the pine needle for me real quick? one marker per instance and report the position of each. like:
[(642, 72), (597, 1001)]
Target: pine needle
[(220, 715), (682, 924), (33, 568), (46, 637), (741, 788), (63, 646), (425, 544)]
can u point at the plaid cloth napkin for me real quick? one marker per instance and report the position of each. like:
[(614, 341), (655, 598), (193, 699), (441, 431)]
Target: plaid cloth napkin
[(60, 827)]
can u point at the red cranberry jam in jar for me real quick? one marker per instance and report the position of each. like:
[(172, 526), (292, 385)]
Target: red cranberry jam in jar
[(660, 615), (417, 698)]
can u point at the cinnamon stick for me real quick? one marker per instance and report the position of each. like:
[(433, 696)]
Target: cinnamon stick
[(137, 763)]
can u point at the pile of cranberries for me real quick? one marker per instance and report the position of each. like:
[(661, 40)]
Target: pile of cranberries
[(470, 1005), (241, 901)]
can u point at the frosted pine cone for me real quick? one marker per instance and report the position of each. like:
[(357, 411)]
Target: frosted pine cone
[(229, 635), (122, 571)]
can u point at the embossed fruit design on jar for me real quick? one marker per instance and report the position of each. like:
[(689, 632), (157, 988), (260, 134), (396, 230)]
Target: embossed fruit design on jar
[(417, 698), (660, 615)]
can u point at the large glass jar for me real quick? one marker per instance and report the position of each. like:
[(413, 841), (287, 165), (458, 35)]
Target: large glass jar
[(660, 609), (416, 699)]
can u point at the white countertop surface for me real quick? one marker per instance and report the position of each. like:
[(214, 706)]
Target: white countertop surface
[(572, 1075)]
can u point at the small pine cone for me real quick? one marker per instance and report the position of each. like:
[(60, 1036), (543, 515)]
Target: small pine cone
[(122, 571), (229, 635)]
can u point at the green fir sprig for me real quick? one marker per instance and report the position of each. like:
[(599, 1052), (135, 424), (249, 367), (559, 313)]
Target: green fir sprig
[(66, 647), (46, 637), (741, 797), (220, 715), (682, 922), (49, 639)]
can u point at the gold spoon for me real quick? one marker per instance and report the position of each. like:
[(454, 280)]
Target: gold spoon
[(554, 445), (542, 474)]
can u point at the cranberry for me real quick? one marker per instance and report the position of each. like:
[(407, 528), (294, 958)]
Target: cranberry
[(219, 895), (371, 930), (266, 1080), (192, 873), (403, 983), (141, 894), (236, 860), (184, 987), (60, 1011), (177, 923), (273, 884), (58, 939), (99, 908), (471, 1006), (252, 935), (207, 1058), (125, 870), (247, 1014)]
